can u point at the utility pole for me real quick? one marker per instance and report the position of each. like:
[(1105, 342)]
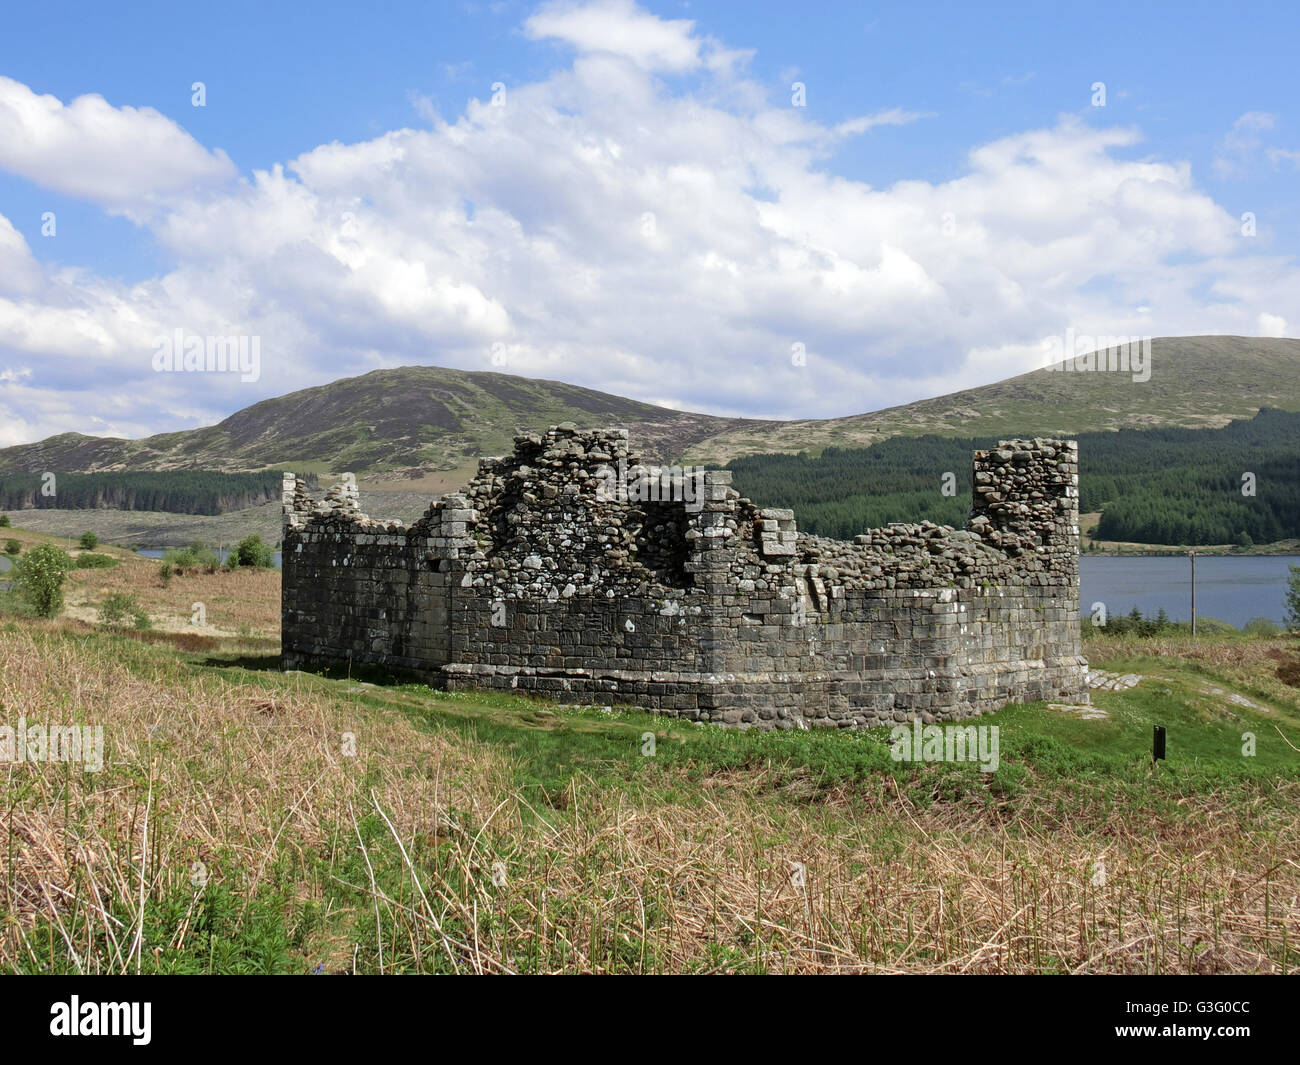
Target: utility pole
[(1192, 556)]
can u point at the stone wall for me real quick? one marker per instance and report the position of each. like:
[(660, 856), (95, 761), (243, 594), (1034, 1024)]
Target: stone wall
[(570, 570)]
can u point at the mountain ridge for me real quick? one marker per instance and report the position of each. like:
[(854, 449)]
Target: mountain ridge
[(405, 420)]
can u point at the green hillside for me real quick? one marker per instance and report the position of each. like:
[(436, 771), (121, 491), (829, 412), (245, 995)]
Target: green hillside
[(428, 418), (1195, 383), (424, 417)]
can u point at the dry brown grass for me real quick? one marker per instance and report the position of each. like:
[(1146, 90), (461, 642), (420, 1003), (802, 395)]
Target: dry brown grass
[(237, 602), (230, 776), (953, 891), (728, 872)]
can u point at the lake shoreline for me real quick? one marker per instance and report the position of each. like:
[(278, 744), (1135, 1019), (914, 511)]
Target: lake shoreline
[(1230, 588), (1283, 548)]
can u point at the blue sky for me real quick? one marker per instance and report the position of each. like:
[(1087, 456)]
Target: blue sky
[(947, 198)]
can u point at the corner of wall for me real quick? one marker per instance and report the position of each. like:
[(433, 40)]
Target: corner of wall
[(1025, 496)]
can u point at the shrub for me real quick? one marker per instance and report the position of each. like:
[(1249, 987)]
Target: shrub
[(252, 551), (1136, 624), (40, 575), (12, 547), (88, 541), (116, 607), (1261, 627), (4, 521), (92, 561), (1293, 597), (165, 573), (194, 557)]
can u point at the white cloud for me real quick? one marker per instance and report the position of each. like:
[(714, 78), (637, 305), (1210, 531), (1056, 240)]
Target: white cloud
[(124, 158), (1271, 325), (20, 274), (895, 116), (1241, 147), (620, 28), (606, 230)]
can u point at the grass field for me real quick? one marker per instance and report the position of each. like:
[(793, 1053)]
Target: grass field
[(247, 820), (242, 602)]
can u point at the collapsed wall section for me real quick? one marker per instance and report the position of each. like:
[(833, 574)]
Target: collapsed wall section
[(582, 584)]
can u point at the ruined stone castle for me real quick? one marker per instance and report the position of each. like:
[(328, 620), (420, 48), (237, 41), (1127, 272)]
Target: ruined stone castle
[(569, 570)]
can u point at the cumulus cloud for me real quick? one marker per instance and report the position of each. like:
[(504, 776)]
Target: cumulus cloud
[(602, 227), (20, 274), (121, 157)]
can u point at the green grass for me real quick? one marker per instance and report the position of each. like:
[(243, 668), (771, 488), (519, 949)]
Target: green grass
[(14, 605), (550, 744), (229, 933), (1091, 780)]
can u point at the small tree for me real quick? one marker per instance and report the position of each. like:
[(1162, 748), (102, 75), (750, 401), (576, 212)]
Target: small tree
[(40, 575), (194, 557), (88, 541), (1244, 542), (1293, 598), (4, 521), (115, 608), (253, 551)]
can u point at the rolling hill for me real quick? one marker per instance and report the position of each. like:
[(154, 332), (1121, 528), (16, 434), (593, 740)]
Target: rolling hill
[(412, 417), (1196, 383), (421, 419)]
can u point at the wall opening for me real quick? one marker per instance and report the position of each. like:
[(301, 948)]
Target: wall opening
[(659, 535)]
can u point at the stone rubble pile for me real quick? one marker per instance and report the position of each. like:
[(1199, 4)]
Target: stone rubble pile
[(552, 523), (1021, 541)]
